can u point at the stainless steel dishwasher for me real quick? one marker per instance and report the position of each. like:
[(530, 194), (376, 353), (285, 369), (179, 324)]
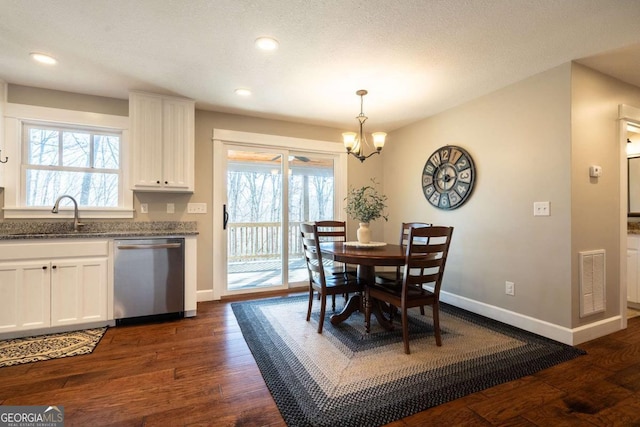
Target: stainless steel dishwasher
[(148, 279)]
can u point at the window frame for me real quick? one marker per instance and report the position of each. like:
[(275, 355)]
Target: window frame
[(16, 116)]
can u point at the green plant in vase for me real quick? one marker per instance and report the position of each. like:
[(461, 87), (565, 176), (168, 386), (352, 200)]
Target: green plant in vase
[(366, 204)]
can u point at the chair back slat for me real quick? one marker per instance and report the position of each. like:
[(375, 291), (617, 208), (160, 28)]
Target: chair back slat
[(426, 257), (331, 231), (406, 227)]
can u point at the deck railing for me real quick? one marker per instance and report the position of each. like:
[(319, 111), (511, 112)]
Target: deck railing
[(255, 241)]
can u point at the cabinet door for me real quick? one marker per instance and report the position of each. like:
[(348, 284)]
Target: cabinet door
[(24, 296), (178, 148), (145, 112), (78, 291)]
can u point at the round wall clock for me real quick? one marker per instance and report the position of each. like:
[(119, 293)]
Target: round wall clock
[(447, 177)]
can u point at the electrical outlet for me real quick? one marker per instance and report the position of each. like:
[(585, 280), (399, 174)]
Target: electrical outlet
[(541, 209), (509, 288), (197, 208), (144, 208), (171, 208)]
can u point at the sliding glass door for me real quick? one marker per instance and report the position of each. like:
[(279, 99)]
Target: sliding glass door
[(268, 192)]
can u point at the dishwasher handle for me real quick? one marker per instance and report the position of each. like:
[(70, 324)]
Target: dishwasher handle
[(151, 246)]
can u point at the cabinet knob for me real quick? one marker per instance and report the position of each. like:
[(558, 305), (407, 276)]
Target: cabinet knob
[(166, 182), (44, 267), (54, 266), (157, 182)]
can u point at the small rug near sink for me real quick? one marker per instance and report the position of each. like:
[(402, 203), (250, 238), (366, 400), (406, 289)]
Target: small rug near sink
[(44, 347)]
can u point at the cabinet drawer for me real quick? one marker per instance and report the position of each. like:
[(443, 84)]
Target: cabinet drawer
[(48, 250)]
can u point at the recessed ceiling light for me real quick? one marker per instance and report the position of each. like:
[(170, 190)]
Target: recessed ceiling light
[(44, 59), (242, 92), (267, 43)]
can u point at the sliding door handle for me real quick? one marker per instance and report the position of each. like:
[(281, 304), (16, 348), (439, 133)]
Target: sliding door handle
[(225, 217)]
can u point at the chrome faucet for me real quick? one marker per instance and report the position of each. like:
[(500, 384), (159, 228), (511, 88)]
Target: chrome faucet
[(76, 223)]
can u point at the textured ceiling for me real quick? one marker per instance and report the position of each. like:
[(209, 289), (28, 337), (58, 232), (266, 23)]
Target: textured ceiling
[(415, 57)]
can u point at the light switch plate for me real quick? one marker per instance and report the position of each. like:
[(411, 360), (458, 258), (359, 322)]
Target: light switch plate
[(144, 208), (541, 209), (171, 208), (197, 208)]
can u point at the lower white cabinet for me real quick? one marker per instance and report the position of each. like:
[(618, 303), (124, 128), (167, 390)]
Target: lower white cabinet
[(633, 263), (78, 291), (48, 292), (25, 296)]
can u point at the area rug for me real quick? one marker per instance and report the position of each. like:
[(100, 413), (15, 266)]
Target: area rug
[(345, 377), (44, 347)]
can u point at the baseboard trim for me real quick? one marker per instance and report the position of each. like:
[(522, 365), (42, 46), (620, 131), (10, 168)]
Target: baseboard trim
[(546, 329), (205, 295)]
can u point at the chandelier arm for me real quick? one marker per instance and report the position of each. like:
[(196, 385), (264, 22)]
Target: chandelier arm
[(361, 157)]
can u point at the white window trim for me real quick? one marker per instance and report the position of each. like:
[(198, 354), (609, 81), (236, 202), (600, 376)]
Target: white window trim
[(15, 115)]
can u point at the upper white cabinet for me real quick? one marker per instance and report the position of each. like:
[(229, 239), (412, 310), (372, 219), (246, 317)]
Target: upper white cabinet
[(162, 141)]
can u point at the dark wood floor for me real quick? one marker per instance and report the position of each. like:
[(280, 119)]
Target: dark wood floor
[(199, 372)]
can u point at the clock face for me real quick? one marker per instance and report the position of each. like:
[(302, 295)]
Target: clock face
[(448, 177)]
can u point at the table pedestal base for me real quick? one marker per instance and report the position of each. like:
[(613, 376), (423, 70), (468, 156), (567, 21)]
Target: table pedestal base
[(356, 303)]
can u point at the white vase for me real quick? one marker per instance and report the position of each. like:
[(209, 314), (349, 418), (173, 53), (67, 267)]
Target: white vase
[(364, 233)]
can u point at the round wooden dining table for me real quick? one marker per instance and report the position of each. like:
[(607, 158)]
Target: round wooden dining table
[(367, 259)]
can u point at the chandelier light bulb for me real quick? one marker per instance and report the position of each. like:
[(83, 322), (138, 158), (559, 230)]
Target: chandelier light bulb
[(378, 140), (349, 139)]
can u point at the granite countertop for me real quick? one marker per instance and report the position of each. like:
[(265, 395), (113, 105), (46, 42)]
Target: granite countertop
[(23, 230)]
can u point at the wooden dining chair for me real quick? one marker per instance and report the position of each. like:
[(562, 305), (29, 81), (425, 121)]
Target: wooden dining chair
[(324, 284), (335, 231), (425, 260), (394, 278)]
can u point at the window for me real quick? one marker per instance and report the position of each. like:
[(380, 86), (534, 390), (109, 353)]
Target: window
[(54, 151), (81, 162)]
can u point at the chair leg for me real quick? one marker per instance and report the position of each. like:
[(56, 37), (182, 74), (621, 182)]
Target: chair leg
[(310, 303), (367, 311), (333, 302), (436, 323), (405, 329), (323, 308), (422, 310)]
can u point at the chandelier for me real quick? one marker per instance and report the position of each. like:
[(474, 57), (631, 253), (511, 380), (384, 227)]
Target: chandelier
[(355, 143)]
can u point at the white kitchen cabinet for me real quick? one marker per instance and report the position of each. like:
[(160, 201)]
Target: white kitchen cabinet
[(633, 263), (78, 291), (162, 142), (51, 284), (24, 296)]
